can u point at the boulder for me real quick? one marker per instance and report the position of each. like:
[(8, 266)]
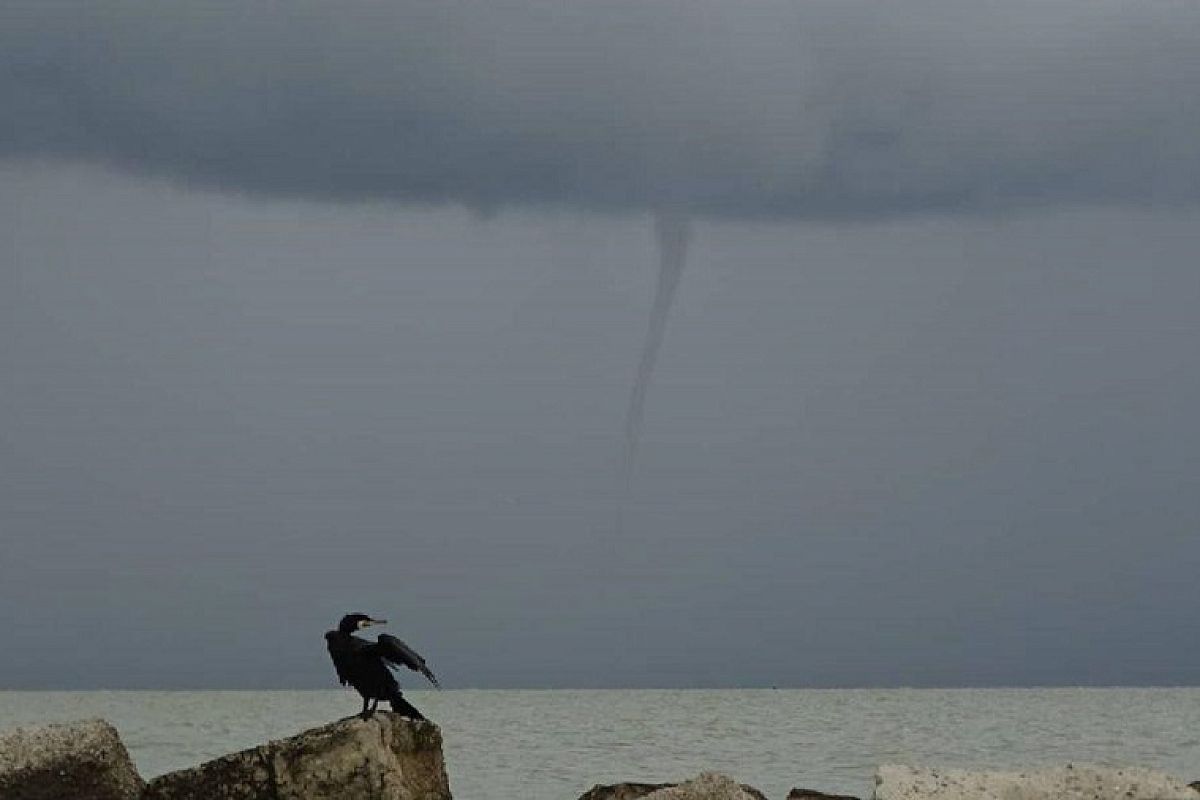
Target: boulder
[(635, 791), (387, 757), (813, 794), (1070, 782), (623, 791), (78, 760), (707, 786)]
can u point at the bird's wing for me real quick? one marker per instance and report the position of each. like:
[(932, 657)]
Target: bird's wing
[(397, 652), (337, 652)]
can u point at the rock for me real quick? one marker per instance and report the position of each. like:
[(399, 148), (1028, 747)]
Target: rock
[(623, 791), (812, 794), (750, 790), (707, 786), (387, 757), (635, 791), (79, 760), (1070, 782)]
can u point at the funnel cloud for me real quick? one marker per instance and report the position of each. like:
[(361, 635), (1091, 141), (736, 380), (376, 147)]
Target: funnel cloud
[(671, 231)]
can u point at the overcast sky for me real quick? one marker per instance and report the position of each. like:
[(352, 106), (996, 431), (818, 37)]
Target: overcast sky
[(313, 311)]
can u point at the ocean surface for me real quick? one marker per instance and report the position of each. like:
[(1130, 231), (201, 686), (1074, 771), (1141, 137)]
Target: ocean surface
[(553, 745)]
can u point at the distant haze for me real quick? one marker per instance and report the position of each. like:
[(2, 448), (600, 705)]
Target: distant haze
[(337, 308)]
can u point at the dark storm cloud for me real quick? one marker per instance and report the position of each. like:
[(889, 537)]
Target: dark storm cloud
[(814, 109)]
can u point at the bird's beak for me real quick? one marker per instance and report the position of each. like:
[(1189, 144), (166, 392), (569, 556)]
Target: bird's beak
[(377, 622)]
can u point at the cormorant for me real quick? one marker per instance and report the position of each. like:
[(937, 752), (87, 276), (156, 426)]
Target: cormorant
[(367, 665)]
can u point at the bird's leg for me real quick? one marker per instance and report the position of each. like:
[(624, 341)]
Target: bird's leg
[(374, 705), (365, 714)]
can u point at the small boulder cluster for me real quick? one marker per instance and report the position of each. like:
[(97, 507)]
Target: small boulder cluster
[(387, 757), (390, 757), (892, 782)]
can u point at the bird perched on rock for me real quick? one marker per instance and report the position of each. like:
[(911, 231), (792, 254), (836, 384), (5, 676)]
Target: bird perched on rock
[(367, 666)]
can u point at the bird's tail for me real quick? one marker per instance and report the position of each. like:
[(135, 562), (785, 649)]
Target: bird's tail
[(403, 707)]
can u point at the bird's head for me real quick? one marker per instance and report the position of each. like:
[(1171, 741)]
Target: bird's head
[(356, 622)]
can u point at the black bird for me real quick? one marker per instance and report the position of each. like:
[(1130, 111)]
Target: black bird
[(367, 665)]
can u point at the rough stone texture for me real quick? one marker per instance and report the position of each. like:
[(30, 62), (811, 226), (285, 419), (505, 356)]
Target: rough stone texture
[(387, 757), (707, 786), (813, 794), (754, 793), (623, 791), (635, 791), (1070, 782), (76, 761)]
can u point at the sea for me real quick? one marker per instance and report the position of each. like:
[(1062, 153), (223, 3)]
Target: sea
[(554, 745)]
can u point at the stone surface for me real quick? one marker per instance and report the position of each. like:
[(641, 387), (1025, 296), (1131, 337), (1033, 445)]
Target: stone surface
[(75, 761), (623, 791), (812, 794), (707, 786), (1070, 782), (635, 791), (387, 757)]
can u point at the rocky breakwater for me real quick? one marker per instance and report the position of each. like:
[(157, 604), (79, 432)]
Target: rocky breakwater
[(77, 761), (706, 786), (1069, 782), (387, 757)]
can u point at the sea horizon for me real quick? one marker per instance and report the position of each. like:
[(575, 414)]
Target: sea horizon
[(554, 744), (780, 687)]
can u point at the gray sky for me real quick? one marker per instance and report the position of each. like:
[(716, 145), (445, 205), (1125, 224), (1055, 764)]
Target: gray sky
[(339, 311)]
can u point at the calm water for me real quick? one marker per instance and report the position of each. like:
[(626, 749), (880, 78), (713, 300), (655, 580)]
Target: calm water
[(552, 745)]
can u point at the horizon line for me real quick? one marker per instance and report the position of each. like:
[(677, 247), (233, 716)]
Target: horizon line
[(781, 688)]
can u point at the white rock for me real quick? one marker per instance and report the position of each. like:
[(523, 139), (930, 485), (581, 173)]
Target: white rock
[(79, 760), (387, 757), (1070, 782), (707, 786)]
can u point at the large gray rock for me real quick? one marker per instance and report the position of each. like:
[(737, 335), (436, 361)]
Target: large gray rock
[(387, 757), (1070, 782), (636, 791), (707, 786), (813, 794), (76, 761), (623, 791)]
